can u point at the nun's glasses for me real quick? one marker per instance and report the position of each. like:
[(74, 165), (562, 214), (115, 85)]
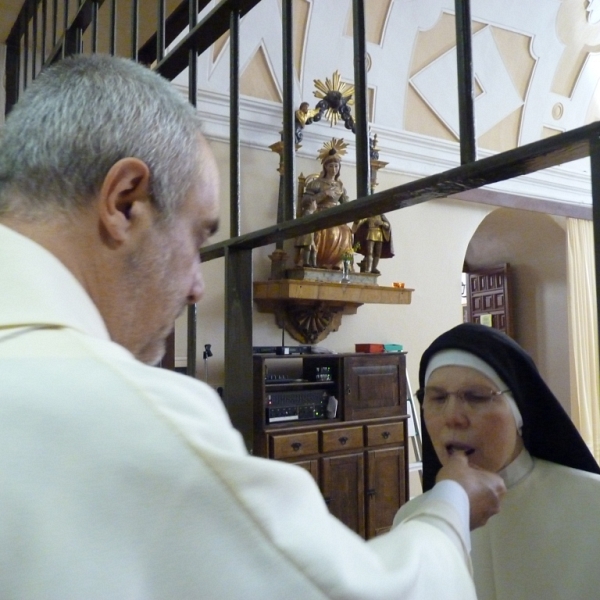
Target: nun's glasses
[(474, 396)]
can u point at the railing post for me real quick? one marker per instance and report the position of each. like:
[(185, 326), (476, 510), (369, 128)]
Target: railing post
[(595, 176), (464, 60), (363, 164), (289, 139), (238, 389), (234, 124), (192, 311)]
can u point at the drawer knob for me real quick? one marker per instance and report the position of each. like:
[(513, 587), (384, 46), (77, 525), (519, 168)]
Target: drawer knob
[(385, 435), (296, 446), (343, 440)]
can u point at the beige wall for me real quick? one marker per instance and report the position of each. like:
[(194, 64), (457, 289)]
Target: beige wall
[(430, 241), (535, 246), (517, 50)]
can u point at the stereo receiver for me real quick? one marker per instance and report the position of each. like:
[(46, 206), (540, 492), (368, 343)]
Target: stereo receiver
[(297, 405)]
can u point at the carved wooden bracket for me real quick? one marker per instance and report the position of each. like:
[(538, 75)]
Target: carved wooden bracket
[(311, 323), (310, 310)]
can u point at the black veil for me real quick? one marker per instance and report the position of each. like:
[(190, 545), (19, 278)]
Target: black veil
[(548, 432)]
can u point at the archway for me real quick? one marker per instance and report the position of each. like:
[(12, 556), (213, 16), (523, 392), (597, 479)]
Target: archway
[(534, 244)]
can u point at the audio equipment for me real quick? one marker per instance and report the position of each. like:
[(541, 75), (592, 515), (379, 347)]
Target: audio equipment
[(296, 405)]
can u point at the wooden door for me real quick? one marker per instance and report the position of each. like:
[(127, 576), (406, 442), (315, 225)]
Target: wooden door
[(343, 487), (488, 298), (386, 488)]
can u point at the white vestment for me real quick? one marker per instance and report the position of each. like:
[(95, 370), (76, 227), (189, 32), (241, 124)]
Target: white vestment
[(545, 542), (124, 481)]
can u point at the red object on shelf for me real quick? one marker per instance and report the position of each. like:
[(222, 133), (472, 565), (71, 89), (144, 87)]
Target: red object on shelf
[(369, 348)]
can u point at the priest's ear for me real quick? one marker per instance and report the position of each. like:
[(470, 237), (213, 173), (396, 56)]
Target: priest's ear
[(124, 201)]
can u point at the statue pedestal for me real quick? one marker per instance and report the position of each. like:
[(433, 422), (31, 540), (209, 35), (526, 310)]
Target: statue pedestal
[(330, 276)]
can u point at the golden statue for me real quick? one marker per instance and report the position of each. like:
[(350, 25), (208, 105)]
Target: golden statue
[(306, 247), (373, 239), (327, 190)]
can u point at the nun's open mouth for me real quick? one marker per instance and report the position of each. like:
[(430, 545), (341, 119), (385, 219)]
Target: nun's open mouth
[(453, 447)]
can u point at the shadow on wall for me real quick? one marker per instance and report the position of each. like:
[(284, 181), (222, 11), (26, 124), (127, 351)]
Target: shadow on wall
[(534, 244)]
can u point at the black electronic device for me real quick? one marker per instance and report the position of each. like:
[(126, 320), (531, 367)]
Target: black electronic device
[(282, 350), (281, 379), (296, 405)]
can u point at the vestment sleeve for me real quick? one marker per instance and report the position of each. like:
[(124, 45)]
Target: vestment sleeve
[(451, 498), (277, 511)]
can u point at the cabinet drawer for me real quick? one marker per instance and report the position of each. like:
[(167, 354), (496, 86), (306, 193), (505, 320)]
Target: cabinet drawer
[(341, 439), (389, 433), (294, 444)]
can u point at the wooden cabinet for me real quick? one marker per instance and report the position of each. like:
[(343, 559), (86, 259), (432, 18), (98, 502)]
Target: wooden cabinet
[(359, 457)]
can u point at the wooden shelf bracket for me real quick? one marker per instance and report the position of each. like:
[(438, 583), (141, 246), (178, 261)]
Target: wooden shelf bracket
[(310, 310)]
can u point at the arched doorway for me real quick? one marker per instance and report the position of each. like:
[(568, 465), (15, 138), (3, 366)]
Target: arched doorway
[(534, 244)]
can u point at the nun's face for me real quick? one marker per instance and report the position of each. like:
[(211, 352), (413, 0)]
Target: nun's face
[(475, 421)]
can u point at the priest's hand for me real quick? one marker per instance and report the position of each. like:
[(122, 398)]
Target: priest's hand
[(485, 489)]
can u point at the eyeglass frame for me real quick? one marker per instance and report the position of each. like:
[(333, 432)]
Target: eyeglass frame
[(459, 394)]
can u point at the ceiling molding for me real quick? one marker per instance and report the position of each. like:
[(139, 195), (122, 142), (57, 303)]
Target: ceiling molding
[(565, 188)]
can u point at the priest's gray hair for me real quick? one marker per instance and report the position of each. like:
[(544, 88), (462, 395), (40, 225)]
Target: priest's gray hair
[(82, 115)]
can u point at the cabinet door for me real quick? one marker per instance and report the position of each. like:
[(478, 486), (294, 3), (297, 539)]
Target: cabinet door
[(374, 386), (342, 484), (386, 488)]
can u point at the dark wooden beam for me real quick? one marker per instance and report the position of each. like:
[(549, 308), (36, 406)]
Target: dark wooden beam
[(202, 36), (175, 23), (558, 149)]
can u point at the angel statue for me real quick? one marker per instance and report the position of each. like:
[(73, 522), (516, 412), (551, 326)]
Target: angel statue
[(302, 117), (327, 190)]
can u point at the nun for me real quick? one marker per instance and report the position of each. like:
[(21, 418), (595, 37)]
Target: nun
[(482, 395)]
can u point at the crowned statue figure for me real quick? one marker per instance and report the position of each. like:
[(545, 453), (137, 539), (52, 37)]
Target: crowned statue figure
[(327, 190)]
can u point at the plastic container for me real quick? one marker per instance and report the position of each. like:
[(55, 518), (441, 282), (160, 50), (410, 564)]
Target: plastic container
[(392, 347), (369, 348)]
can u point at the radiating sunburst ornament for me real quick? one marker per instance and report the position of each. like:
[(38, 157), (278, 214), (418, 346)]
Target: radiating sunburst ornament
[(336, 98), (333, 146)]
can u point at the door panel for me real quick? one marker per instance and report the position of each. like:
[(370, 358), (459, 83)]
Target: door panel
[(343, 486), (375, 386), (386, 488), (488, 298)]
